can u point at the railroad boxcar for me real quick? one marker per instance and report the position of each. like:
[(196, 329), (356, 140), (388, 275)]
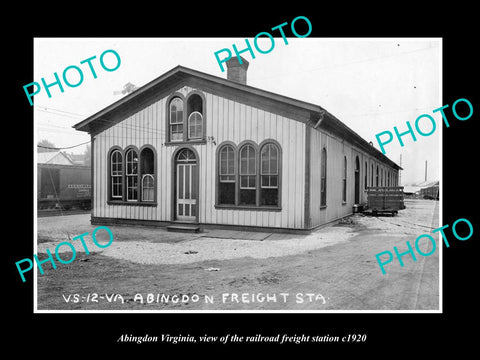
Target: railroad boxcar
[(63, 187)]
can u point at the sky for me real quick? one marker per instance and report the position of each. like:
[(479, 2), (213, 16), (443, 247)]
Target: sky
[(370, 84)]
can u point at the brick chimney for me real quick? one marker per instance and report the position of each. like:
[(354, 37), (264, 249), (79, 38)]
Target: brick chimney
[(237, 72)]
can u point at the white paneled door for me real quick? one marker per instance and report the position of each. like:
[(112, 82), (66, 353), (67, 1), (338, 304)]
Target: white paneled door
[(186, 191)]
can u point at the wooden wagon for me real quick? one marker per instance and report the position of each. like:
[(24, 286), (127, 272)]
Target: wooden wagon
[(383, 200)]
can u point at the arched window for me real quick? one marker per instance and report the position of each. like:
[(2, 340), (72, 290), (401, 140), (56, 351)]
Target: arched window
[(148, 188), (176, 119), (116, 174), (132, 175), (195, 125), (248, 174), (226, 171), (185, 118), (344, 181), (195, 116), (323, 178), (147, 168), (187, 156), (269, 158)]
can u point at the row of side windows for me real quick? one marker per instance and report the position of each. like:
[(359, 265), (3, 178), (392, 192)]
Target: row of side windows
[(379, 177), (248, 175), (383, 178), (132, 174)]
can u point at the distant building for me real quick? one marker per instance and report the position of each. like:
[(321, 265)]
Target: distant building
[(424, 190), (54, 158), (79, 159), (430, 190)]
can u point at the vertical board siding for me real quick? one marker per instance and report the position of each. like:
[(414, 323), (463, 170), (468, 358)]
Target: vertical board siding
[(226, 120), (336, 150)]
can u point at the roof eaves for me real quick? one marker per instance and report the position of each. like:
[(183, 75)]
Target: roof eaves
[(360, 141)]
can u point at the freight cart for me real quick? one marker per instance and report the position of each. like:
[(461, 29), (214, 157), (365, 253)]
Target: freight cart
[(385, 200)]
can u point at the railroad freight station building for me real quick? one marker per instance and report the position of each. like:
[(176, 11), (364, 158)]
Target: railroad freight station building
[(194, 149)]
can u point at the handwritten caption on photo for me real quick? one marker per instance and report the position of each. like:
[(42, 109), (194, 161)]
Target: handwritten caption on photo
[(233, 298)]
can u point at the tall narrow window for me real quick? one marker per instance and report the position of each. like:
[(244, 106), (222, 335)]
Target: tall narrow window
[(377, 178), (147, 169), (116, 174), (226, 173), (269, 174), (195, 116), (132, 175), (344, 181), (176, 119), (248, 175), (371, 173), (366, 177), (323, 178), (147, 187)]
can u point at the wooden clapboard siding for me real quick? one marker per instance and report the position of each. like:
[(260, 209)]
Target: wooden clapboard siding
[(226, 120)]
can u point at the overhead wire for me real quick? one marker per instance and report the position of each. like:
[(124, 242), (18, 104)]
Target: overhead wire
[(48, 109), (62, 148)]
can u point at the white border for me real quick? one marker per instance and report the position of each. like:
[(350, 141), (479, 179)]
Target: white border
[(437, 311)]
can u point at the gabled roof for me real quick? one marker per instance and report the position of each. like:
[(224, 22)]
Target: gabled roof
[(180, 75)]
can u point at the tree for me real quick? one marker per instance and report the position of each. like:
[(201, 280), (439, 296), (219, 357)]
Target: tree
[(45, 146)]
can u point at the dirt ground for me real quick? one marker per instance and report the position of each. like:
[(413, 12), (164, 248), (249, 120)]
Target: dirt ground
[(334, 268)]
